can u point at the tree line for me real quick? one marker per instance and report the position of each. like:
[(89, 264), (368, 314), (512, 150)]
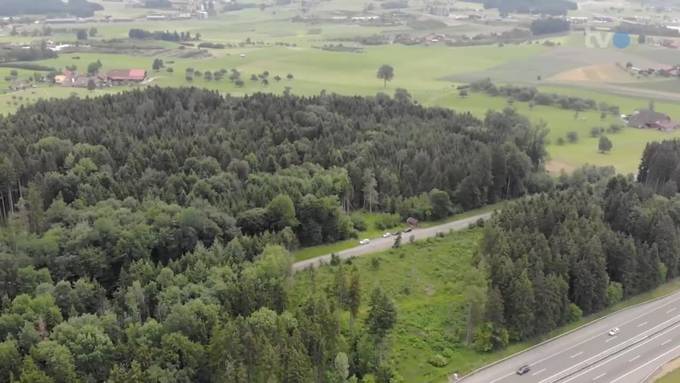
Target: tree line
[(141, 34), (535, 97), (553, 257)]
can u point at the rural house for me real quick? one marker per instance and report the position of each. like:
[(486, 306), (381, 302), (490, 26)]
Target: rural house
[(126, 75), (649, 119)]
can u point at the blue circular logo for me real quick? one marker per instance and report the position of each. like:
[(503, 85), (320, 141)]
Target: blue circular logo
[(621, 40)]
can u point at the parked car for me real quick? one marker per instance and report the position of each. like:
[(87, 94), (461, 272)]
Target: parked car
[(387, 235), (365, 241), (523, 370), (614, 331)]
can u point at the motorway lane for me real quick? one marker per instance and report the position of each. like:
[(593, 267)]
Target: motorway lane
[(381, 244), (649, 337)]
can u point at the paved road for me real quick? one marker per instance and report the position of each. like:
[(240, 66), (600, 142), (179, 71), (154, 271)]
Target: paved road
[(386, 243), (649, 337)]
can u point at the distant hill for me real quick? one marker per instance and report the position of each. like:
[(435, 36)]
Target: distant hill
[(80, 8), (551, 7)]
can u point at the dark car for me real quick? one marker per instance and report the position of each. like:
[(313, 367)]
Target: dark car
[(410, 229), (523, 370)]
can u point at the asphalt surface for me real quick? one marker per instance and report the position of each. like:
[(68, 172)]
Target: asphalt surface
[(649, 337), (381, 244)]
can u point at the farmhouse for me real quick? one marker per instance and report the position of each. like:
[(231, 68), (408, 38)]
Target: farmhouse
[(649, 119), (126, 75)]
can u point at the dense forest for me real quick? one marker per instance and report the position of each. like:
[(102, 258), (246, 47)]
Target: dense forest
[(553, 257), (145, 234)]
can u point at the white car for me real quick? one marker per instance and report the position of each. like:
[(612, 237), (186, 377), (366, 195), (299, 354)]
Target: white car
[(365, 241), (614, 331), (387, 235)]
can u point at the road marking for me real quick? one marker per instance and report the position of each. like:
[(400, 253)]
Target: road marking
[(644, 365), (666, 342), (671, 300), (597, 364), (666, 330), (611, 339), (599, 376), (538, 372), (634, 358), (642, 324), (576, 355), (501, 378), (671, 310)]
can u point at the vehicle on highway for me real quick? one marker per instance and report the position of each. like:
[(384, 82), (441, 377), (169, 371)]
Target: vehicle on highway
[(365, 241), (523, 370), (387, 235), (614, 331)]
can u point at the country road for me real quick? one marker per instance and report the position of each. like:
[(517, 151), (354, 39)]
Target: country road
[(386, 243), (649, 337)]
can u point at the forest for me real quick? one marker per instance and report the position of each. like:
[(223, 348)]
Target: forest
[(145, 235), (554, 257)]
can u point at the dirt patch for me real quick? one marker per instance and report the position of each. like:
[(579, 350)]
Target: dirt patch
[(555, 167), (667, 369), (594, 73)]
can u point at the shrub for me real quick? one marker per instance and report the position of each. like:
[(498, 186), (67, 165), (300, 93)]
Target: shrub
[(438, 361), (387, 221)]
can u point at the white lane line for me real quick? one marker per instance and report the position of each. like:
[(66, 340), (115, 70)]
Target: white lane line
[(666, 342), (642, 324), (538, 372), (636, 346), (576, 355), (671, 300), (599, 376), (501, 378), (611, 339), (645, 365), (634, 359), (671, 310)]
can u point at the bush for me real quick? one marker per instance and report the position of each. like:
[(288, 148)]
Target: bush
[(375, 263), (575, 313), (387, 221), (438, 361), (359, 222)]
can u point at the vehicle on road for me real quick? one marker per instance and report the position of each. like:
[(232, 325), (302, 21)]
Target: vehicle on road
[(387, 235), (614, 331), (523, 370), (410, 229), (365, 241)]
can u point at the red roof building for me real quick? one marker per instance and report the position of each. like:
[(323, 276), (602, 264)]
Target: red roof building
[(120, 75)]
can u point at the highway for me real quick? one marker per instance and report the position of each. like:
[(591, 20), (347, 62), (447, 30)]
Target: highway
[(649, 337), (381, 244)]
